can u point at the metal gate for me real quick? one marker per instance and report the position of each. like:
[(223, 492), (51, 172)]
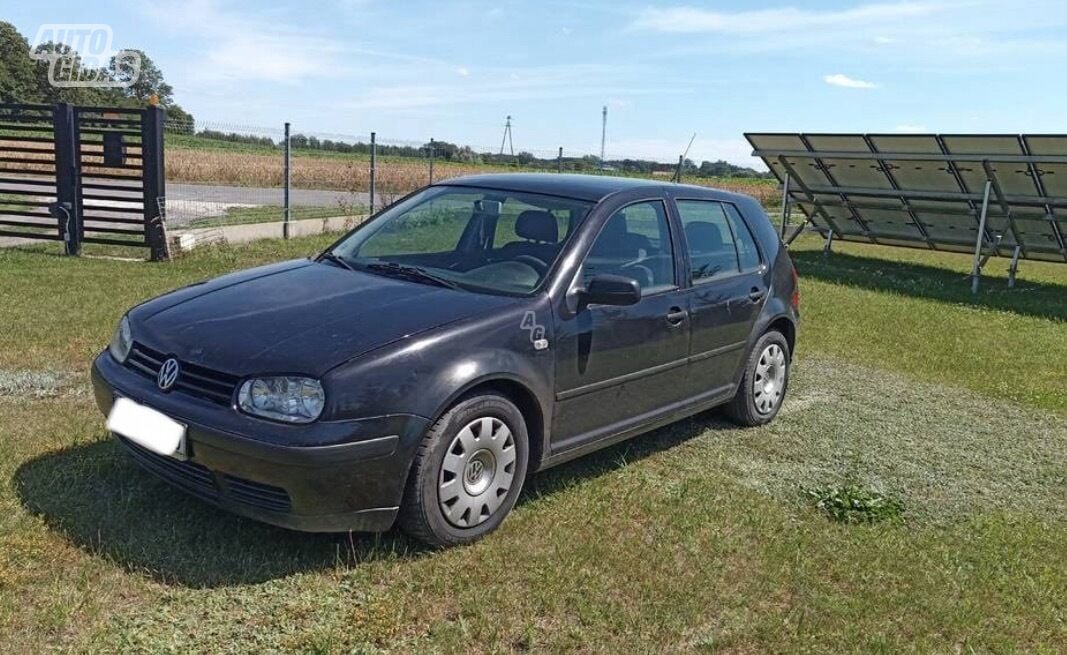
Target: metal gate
[(83, 175)]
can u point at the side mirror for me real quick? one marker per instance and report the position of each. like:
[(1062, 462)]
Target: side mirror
[(611, 290)]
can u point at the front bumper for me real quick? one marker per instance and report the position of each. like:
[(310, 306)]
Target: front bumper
[(322, 477)]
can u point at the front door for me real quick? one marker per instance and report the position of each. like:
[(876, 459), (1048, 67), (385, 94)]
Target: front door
[(621, 365)]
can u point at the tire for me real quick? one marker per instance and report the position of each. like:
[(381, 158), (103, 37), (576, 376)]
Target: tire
[(464, 482), (765, 382)]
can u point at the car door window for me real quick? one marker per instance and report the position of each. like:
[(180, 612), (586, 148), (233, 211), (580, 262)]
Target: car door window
[(747, 252), (636, 243), (709, 239)]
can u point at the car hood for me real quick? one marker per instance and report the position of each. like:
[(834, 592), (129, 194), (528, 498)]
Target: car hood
[(297, 317)]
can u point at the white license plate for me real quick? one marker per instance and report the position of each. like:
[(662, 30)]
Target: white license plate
[(147, 427)]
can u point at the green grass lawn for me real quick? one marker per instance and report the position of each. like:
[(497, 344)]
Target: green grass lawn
[(696, 538)]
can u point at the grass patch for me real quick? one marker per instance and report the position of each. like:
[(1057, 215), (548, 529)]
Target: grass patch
[(690, 539), (853, 503), (912, 311)]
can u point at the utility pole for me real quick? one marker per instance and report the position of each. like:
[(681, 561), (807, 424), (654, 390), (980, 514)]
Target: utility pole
[(603, 135), (507, 138), (288, 215)]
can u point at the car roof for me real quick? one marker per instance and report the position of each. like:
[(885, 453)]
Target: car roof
[(580, 187)]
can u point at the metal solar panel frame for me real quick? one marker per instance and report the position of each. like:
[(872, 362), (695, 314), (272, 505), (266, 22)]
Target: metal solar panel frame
[(830, 206)]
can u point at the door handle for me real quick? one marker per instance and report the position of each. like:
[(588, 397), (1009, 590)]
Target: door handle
[(676, 316), (756, 294)]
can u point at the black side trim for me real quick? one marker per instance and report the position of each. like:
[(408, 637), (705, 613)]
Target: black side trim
[(629, 377), (715, 352), (637, 375)]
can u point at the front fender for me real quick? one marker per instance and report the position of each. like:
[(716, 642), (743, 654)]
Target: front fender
[(425, 374)]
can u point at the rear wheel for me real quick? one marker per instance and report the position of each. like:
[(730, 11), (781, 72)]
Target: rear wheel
[(765, 382), (467, 473)]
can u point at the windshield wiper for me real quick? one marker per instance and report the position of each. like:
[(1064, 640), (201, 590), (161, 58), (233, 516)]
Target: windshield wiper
[(413, 273), (337, 259)]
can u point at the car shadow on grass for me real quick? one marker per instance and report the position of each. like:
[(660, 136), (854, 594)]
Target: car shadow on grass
[(106, 505), (1040, 299)]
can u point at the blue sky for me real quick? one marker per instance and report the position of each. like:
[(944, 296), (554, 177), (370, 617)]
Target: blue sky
[(413, 69)]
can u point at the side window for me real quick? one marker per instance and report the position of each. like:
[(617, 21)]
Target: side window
[(636, 243), (710, 239), (747, 251)]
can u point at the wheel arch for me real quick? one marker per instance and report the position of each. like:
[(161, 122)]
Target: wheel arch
[(522, 396), (787, 327)]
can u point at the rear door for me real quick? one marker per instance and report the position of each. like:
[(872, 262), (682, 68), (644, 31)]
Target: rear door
[(727, 274), (616, 366)]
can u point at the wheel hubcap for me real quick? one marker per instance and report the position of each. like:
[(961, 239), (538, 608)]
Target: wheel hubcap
[(477, 472), (768, 384)]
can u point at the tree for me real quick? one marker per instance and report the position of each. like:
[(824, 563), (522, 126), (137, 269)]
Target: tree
[(149, 78), (180, 121), (60, 62), (18, 81)]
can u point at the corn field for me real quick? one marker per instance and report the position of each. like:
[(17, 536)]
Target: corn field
[(395, 176)]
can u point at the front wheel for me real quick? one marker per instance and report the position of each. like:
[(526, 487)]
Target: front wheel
[(467, 473), (764, 384)]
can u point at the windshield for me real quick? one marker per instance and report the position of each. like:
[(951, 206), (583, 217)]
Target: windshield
[(476, 239)]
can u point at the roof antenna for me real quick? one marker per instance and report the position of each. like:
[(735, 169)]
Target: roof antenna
[(681, 159)]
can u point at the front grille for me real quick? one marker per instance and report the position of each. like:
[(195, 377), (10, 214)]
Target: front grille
[(190, 476), (204, 484), (195, 380)]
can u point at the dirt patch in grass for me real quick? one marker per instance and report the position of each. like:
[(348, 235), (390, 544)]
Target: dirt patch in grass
[(36, 384)]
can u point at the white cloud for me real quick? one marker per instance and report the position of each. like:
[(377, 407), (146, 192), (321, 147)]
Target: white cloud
[(912, 129), (531, 83), (239, 46), (463, 71), (848, 82), (692, 19)]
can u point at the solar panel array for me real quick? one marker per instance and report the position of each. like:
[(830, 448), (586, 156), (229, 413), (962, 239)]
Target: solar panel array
[(929, 191)]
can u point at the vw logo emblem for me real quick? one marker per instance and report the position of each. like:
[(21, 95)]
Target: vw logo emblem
[(474, 471), (168, 374)]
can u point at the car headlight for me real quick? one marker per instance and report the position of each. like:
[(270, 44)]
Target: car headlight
[(289, 399), (122, 341)]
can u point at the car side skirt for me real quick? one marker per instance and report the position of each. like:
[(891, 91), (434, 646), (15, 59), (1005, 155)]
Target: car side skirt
[(584, 444)]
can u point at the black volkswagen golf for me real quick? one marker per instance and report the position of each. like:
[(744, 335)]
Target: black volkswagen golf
[(476, 331)]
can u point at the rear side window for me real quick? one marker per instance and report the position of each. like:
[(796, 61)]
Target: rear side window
[(718, 240), (747, 251)]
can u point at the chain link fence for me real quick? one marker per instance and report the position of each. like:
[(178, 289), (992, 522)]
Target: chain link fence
[(225, 174)]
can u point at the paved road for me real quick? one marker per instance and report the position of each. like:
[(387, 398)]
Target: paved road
[(187, 202)]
